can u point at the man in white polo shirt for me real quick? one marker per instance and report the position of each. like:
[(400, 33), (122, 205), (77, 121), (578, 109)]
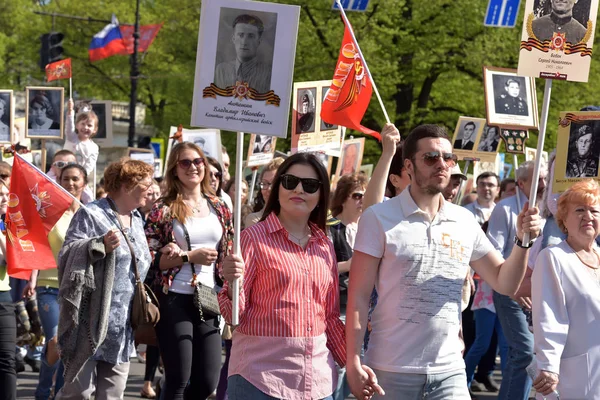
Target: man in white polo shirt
[(416, 249)]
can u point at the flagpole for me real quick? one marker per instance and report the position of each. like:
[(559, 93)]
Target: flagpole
[(347, 23), (71, 88), (48, 179), (237, 225)]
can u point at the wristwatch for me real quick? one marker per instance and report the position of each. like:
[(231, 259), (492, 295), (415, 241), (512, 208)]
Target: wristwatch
[(522, 245), (185, 258)]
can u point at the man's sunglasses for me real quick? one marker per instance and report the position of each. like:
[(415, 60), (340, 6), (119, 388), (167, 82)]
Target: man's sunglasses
[(309, 185), (431, 158), (357, 196), (62, 164), (186, 164)]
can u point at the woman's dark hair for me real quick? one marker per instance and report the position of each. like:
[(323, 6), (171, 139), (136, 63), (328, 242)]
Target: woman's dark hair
[(214, 163), (318, 216), (74, 166), (345, 186), (396, 168)]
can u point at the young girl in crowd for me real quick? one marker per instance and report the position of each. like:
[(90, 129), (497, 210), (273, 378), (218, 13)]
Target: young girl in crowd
[(79, 134)]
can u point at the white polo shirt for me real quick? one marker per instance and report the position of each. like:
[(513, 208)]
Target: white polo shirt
[(423, 266)]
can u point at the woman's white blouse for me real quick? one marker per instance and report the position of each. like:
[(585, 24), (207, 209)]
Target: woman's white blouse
[(566, 321)]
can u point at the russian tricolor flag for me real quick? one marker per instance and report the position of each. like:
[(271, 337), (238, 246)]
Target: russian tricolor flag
[(108, 42)]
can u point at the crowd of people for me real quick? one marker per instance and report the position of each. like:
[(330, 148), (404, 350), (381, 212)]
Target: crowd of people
[(359, 290)]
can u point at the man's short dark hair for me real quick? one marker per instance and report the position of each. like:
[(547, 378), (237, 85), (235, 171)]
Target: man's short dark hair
[(488, 174), (511, 80), (395, 168), (470, 123), (250, 20), (411, 144), (505, 182)]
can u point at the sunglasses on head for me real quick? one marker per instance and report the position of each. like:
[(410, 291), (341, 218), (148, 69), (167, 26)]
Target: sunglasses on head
[(357, 196), (62, 164), (309, 185), (431, 158), (186, 164)]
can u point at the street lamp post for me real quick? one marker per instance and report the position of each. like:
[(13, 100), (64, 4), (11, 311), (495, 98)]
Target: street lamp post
[(134, 76)]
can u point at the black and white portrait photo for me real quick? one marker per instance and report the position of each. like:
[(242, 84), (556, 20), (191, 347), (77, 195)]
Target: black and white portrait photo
[(305, 110), (262, 144), (510, 100), (324, 125), (509, 95), (103, 110), (44, 112), (6, 115), (584, 152), (490, 138), (245, 48), (466, 133), (560, 20)]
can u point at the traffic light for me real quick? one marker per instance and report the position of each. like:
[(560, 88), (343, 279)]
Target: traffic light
[(52, 49)]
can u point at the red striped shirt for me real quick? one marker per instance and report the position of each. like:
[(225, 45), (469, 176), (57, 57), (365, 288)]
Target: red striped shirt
[(287, 291)]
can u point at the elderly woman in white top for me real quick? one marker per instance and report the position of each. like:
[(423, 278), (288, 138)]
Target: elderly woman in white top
[(566, 300)]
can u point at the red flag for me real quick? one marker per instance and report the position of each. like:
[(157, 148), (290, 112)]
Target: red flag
[(59, 70), (350, 92), (147, 35), (35, 204)]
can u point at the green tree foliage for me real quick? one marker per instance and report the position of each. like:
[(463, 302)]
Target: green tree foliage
[(426, 58)]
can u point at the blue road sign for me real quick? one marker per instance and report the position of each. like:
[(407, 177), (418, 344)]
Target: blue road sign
[(352, 5), (502, 13)]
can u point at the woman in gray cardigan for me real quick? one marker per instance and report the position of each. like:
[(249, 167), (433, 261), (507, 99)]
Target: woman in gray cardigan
[(97, 284)]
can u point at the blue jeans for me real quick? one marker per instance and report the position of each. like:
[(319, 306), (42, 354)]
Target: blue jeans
[(485, 324), (239, 388), (444, 386), (516, 383), (48, 308)]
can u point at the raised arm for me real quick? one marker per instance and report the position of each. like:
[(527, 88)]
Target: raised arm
[(390, 137), (505, 276)]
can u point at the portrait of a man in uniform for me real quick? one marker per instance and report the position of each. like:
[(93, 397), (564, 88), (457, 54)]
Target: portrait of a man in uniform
[(466, 140), (247, 67), (306, 110), (560, 20), (511, 101), (582, 161)]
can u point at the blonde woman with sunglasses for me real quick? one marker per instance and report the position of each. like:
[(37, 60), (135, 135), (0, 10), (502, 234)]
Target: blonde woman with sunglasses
[(195, 227)]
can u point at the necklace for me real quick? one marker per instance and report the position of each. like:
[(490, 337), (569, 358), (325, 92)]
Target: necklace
[(300, 239), (197, 208)]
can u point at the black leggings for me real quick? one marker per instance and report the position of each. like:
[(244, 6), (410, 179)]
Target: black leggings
[(190, 349), (8, 336), (152, 362)]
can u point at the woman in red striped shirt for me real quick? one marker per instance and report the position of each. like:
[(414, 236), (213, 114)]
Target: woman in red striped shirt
[(290, 332)]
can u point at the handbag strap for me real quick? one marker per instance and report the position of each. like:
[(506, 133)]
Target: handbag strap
[(189, 245), (122, 229)]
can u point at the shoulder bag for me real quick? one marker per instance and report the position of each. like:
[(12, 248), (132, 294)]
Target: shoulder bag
[(145, 312)]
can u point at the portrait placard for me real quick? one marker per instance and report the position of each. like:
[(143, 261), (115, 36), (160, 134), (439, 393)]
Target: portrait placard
[(261, 150), (158, 167), (367, 170), (577, 149), (466, 134), (531, 155), (494, 166), (351, 159), (44, 112), (510, 100), (103, 109), (209, 141), (244, 66), (145, 155), (309, 131), (557, 39), (488, 143), (7, 116)]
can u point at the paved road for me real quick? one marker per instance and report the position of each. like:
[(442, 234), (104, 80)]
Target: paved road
[(28, 381)]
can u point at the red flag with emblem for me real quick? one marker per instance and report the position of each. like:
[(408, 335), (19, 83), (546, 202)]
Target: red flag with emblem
[(350, 92), (147, 35), (35, 204), (59, 70)]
